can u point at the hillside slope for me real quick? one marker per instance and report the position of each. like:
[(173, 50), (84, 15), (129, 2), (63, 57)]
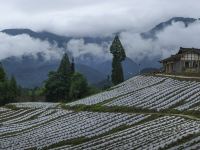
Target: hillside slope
[(31, 72), (29, 77), (145, 112)]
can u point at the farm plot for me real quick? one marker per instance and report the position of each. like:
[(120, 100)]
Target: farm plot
[(189, 145), (147, 92), (35, 105), (156, 134), (196, 108), (160, 96), (51, 127), (48, 126), (2, 109), (129, 86)]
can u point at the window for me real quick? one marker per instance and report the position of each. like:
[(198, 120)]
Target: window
[(195, 65), (187, 64)]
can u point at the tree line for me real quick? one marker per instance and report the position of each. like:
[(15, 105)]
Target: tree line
[(9, 90), (65, 84)]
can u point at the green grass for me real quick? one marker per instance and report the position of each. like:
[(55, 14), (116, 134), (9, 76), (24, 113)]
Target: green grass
[(11, 106), (192, 115), (178, 78), (74, 141), (100, 108), (181, 141)]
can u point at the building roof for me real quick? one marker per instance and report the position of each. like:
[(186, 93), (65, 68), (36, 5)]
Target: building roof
[(172, 58), (183, 50), (177, 56)]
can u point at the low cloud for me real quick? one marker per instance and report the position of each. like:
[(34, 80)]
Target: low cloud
[(79, 49), (24, 45), (92, 17), (167, 42), (21, 45)]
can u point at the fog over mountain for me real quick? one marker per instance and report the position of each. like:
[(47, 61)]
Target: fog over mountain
[(162, 42), (41, 31), (159, 42), (45, 49), (83, 18), (88, 26)]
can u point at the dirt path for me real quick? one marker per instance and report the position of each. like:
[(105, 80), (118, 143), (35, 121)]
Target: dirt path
[(171, 114), (178, 76)]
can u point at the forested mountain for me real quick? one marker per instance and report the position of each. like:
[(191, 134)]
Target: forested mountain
[(31, 72)]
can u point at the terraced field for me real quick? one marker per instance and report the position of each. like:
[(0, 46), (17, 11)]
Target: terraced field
[(147, 92), (144, 112)]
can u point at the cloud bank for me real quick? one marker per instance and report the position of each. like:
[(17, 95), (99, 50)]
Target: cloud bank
[(167, 42), (24, 45), (21, 45), (79, 49), (92, 17), (96, 18)]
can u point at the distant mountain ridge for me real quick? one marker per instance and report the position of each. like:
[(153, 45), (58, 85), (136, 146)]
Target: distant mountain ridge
[(30, 73), (160, 27), (51, 37)]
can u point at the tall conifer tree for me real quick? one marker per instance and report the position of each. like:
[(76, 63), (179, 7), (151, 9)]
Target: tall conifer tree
[(119, 55), (2, 73), (13, 88), (73, 66), (65, 66), (58, 84)]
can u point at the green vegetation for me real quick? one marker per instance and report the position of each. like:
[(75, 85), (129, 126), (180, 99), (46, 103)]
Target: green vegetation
[(65, 84), (9, 90), (101, 108), (58, 84), (10, 106), (79, 86), (118, 56), (180, 77), (75, 141)]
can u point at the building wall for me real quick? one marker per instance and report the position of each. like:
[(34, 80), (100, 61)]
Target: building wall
[(185, 64), (177, 67), (193, 59), (190, 56)]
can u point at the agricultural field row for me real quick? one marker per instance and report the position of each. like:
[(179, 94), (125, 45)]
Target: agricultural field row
[(40, 128), (56, 128), (148, 92), (61, 126), (160, 133)]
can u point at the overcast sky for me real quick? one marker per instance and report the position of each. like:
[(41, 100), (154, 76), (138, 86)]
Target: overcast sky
[(92, 17), (79, 18)]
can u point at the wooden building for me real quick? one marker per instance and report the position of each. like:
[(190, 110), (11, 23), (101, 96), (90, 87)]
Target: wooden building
[(187, 60)]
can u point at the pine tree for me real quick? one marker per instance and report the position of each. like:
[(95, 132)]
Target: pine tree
[(78, 87), (73, 66), (118, 56), (58, 84), (117, 71), (117, 49), (13, 89), (52, 88), (65, 66), (8, 88), (2, 73)]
